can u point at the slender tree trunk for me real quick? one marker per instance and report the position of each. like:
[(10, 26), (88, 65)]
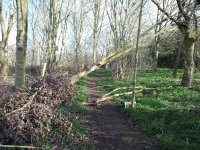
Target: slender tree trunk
[(156, 55), (5, 68), (122, 68), (189, 43), (95, 50), (136, 56), (4, 61), (3, 43), (95, 30), (160, 16), (22, 26), (77, 58), (54, 35), (177, 61), (155, 52)]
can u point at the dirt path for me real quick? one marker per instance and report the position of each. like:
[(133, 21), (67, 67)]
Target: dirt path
[(110, 129)]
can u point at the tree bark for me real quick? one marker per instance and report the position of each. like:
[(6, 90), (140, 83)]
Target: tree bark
[(189, 43), (3, 43), (22, 26), (116, 54), (177, 61), (95, 30), (133, 102)]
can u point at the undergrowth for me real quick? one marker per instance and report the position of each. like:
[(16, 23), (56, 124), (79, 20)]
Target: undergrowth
[(73, 112), (76, 110), (170, 112)]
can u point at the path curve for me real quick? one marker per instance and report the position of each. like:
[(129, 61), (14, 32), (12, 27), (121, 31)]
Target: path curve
[(110, 129)]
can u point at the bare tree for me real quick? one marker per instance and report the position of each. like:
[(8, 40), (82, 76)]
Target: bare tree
[(22, 26), (3, 43), (136, 54), (98, 21), (160, 16), (78, 20), (122, 21), (184, 21)]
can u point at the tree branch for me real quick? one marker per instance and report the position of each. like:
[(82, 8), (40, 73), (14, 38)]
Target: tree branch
[(166, 13), (116, 54), (28, 104), (181, 10)]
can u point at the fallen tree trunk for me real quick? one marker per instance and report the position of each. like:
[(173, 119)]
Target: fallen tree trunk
[(145, 91), (116, 54), (106, 98)]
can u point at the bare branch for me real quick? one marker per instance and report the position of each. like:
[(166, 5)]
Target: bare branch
[(181, 10), (165, 12)]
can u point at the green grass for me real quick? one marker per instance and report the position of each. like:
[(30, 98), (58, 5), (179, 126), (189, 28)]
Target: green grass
[(172, 114), (75, 110), (79, 129)]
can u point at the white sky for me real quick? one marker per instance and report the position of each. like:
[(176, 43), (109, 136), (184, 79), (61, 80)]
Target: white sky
[(149, 18)]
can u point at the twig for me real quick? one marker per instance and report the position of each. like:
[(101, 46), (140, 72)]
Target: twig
[(17, 146), (25, 105)]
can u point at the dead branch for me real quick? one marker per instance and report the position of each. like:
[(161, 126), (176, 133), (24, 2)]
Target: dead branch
[(122, 88), (88, 103), (28, 104), (140, 89), (106, 86), (20, 147), (106, 98)]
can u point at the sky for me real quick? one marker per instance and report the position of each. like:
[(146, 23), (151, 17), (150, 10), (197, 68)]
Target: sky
[(149, 18)]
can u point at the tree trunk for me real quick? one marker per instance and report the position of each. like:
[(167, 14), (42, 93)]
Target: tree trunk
[(96, 9), (22, 26), (54, 31), (133, 102), (3, 43), (189, 43), (4, 59), (156, 54), (177, 61), (5, 67)]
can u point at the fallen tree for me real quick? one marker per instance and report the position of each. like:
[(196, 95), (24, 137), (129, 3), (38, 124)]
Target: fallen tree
[(141, 89), (123, 50)]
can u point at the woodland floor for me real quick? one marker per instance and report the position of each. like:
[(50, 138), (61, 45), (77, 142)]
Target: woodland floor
[(111, 130)]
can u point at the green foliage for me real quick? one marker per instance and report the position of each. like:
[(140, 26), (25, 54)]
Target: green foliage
[(81, 87), (170, 112), (78, 129)]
